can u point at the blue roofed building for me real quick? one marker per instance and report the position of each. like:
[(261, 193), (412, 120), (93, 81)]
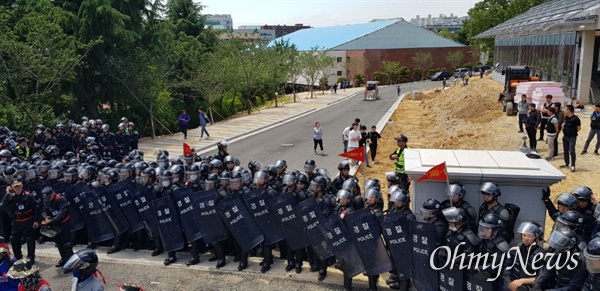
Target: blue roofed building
[(383, 40)]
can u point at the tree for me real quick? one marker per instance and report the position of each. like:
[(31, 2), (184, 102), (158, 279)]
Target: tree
[(445, 33), (455, 58), (391, 71), (356, 66), (423, 62), (313, 62)]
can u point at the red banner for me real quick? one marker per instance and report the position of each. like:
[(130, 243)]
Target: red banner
[(356, 154), (186, 150), (436, 173)]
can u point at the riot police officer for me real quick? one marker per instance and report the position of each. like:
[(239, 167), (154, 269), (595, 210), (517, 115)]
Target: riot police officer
[(178, 176), (57, 220), (592, 264), (344, 174), (62, 138), (520, 274), (492, 243), (564, 244), (344, 204), (309, 169), (164, 189), (351, 185), (49, 138), (134, 136), (373, 201), (431, 211), (401, 203), (229, 163), (459, 232), (584, 195), (221, 150), (457, 199), (121, 142), (491, 192), (25, 214), (192, 178), (565, 201), (326, 202), (107, 141)]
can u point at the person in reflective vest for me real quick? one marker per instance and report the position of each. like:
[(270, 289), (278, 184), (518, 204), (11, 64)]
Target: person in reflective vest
[(398, 157)]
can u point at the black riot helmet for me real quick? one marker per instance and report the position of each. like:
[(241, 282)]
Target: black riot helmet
[(489, 226), (303, 179), (260, 178), (571, 219), (373, 193), (455, 215), (344, 165), (211, 181), (563, 239), (372, 183), (281, 166), (193, 172), (582, 193), (105, 128), (343, 194), (400, 195), (289, 179), (139, 167), (350, 184), (235, 181), (490, 188), (430, 209), (178, 172), (9, 172), (531, 228), (322, 172), (229, 162), (271, 170), (148, 175), (216, 165), (222, 145), (457, 189), (85, 261), (392, 178), (224, 178), (54, 172), (255, 166), (392, 189), (69, 155), (569, 200), (71, 174), (592, 256), (319, 183), (309, 166), (166, 178)]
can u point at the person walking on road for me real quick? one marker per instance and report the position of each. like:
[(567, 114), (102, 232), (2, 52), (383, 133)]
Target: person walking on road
[(398, 89), (318, 137), (570, 129), (184, 119), (594, 130), (372, 137), (345, 133), (354, 137), (204, 120)]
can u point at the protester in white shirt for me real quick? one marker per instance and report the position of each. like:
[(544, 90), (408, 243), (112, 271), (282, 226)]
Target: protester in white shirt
[(353, 138)]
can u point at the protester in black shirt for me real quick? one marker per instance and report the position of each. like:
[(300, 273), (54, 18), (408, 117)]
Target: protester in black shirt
[(372, 137), (570, 129), (531, 123)]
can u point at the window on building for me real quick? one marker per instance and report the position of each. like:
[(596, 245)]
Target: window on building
[(339, 59), (339, 73)]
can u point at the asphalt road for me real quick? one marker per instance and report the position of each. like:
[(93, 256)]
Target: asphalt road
[(267, 146)]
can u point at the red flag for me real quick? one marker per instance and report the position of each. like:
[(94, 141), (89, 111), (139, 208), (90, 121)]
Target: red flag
[(356, 154), (186, 150), (436, 173)]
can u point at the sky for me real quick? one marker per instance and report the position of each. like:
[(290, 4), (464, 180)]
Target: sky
[(319, 13)]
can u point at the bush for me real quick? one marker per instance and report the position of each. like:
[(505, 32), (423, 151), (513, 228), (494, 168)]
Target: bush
[(359, 80), (468, 65), (341, 80), (378, 76), (416, 74)]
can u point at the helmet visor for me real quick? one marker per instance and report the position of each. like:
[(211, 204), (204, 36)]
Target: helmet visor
[(191, 175), (309, 168), (487, 231), (560, 241), (75, 263), (209, 185), (30, 174), (235, 184), (53, 174), (561, 224), (314, 186), (427, 214), (592, 262), (529, 228)]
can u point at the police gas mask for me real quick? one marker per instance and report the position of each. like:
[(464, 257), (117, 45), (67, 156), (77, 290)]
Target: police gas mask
[(192, 176)]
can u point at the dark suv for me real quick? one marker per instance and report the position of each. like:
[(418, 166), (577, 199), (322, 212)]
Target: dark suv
[(440, 76)]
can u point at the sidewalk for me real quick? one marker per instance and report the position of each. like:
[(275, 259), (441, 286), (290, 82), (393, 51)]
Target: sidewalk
[(240, 127)]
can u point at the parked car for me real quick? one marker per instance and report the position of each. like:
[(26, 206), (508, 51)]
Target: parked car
[(484, 68), (440, 76), (458, 72)]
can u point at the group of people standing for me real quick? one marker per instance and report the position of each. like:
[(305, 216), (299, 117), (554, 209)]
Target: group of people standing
[(552, 121)]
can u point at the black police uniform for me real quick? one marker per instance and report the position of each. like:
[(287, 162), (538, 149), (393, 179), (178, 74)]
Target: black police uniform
[(24, 211), (588, 221), (63, 142), (562, 278), (122, 145), (502, 212), (514, 267), (338, 182), (134, 137), (50, 141), (107, 141), (404, 210), (58, 212)]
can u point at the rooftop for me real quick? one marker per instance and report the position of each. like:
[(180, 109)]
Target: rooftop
[(545, 17), (386, 34)]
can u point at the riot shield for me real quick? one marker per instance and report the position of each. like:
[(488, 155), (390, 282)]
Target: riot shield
[(282, 207), (211, 225), (478, 281), (142, 197), (109, 206), (189, 213), (395, 230), (122, 194), (240, 223), (168, 224), (340, 242), (452, 280), (309, 216), (63, 189), (365, 233), (98, 226), (256, 201), (423, 244)]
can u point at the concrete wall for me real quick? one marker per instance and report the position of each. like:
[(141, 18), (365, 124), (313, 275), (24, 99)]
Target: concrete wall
[(404, 56)]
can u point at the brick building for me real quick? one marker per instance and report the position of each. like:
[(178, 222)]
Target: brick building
[(281, 30)]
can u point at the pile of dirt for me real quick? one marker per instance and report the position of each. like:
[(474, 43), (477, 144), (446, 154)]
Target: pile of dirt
[(470, 118)]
